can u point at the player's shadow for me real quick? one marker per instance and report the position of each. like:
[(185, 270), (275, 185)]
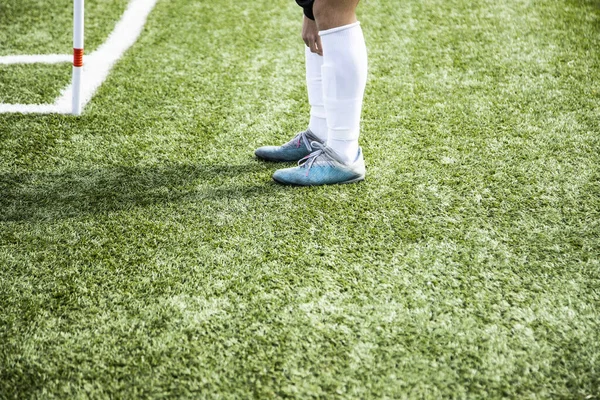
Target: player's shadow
[(48, 196), (592, 6)]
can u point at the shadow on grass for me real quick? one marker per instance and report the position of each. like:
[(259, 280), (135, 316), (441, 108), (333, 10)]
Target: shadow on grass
[(592, 6), (43, 195), (24, 385)]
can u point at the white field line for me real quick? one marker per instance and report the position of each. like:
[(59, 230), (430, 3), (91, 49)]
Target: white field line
[(97, 65), (36, 59)]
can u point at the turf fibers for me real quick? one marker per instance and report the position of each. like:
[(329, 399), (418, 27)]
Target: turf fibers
[(145, 252)]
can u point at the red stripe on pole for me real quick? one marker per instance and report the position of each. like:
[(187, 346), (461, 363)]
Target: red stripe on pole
[(78, 57)]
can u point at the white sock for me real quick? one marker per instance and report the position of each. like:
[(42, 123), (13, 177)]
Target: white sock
[(344, 74), (314, 85), (347, 149)]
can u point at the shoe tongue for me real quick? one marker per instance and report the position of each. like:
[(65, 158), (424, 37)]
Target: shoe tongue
[(318, 146), (332, 153), (311, 136), (328, 152)]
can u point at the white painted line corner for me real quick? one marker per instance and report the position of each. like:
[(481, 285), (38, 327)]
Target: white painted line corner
[(97, 65)]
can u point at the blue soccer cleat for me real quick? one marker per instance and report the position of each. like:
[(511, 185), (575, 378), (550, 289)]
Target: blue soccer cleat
[(322, 167), (297, 148)]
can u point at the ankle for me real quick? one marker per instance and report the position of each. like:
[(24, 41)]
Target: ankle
[(346, 149)]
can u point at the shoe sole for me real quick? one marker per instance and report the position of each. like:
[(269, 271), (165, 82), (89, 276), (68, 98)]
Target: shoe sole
[(274, 159), (355, 180)]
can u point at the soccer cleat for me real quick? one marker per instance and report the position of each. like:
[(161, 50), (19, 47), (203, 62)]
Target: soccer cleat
[(297, 148), (322, 167)]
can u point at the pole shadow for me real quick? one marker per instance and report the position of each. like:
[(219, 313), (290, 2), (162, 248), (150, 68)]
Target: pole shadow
[(49, 196)]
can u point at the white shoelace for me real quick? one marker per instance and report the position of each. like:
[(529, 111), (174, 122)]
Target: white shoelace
[(308, 161), (302, 138)]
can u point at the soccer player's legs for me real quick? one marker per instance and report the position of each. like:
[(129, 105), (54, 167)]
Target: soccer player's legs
[(314, 85), (301, 144), (331, 14), (344, 73), (344, 76)]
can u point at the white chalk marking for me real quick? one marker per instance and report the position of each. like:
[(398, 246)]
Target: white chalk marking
[(97, 65), (31, 109), (36, 59)]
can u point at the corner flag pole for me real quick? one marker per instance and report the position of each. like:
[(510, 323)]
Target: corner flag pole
[(78, 26)]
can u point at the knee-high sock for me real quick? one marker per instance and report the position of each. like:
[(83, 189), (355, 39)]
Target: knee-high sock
[(314, 85), (344, 79)]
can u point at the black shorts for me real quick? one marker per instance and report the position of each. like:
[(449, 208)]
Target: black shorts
[(308, 7)]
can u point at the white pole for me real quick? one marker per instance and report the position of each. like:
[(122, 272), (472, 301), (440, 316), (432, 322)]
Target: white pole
[(78, 8)]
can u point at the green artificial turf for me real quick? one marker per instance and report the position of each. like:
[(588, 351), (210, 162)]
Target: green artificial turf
[(32, 83), (145, 252), (46, 26)]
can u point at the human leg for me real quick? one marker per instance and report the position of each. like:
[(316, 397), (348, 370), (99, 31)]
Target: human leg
[(344, 76), (331, 14), (314, 85), (344, 73), (300, 145)]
